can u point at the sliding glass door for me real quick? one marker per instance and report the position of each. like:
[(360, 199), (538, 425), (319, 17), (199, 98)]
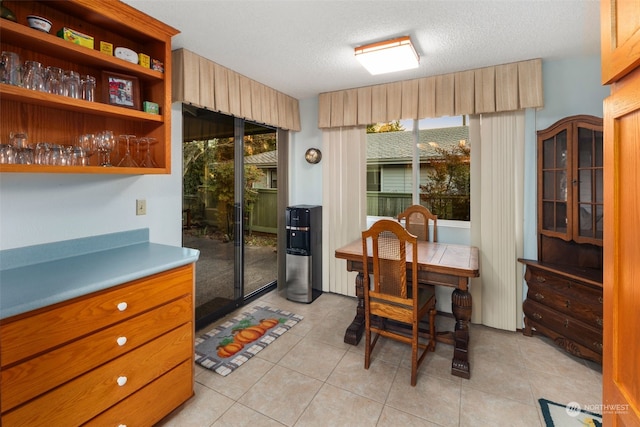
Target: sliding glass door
[(227, 187)]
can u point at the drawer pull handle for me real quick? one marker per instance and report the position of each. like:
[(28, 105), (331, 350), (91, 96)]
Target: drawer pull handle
[(122, 381), (121, 341), (567, 303), (539, 296), (122, 306), (566, 323), (599, 321), (537, 316), (541, 279), (600, 300), (598, 345)]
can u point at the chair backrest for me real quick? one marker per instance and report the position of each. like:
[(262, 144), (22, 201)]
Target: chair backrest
[(417, 219), (388, 243)]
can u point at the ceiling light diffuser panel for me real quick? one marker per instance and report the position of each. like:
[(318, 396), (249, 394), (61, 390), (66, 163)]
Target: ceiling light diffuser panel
[(388, 56)]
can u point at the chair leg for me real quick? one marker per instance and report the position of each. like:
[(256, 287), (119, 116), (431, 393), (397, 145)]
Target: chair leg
[(414, 355), (432, 329), (367, 344)]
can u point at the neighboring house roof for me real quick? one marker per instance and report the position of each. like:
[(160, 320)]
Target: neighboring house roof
[(266, 159), (391, 147), (397, 147)]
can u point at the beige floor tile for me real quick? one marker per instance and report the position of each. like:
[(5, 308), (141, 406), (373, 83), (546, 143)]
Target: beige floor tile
[(436, 363), (239, 381), (572, 386), (392, 417), (241, 416), (434, 399), (492, 375), (542, 354), (373, 383), (491, 343), (279, 348), (333, 406), (201, 410), (313, 358), (282, 394), (487, 409)]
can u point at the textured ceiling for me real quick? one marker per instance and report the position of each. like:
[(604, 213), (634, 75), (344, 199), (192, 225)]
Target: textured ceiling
[(305, 47)]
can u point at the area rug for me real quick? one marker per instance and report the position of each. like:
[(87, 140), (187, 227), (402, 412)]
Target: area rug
[(558, 415), (228, 346)]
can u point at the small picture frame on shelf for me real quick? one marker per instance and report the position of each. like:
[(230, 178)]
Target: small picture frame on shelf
[(121, 90)]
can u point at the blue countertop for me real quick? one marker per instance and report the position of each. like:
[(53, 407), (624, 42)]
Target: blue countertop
[(37, 276)]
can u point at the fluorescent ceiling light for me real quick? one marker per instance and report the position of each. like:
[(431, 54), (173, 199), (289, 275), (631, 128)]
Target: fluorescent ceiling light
[(388, 56)]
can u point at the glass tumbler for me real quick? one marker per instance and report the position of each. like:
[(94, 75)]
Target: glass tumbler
[(54, 81), (10, 68), (34, 78), (72, 87), (89, 88)]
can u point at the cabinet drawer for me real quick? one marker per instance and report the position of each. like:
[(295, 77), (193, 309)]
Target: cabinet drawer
[(581, 308), (41, 330), (564, 325), (566, 286), (84, 397), (40, 374), (149, 405)]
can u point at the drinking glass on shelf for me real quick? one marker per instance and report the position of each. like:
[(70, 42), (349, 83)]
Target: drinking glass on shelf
[(88, 88), (105, 141), (10, 68), (42, 153), (34, 76), (147, 161), (71, 85), (127, 161), (88, 144), (54, 80), (7, 154)]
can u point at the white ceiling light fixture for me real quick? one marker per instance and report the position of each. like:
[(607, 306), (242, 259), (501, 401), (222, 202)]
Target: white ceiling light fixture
[(388, 56)]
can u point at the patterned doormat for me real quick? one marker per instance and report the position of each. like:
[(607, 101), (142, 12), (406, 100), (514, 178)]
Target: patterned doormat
[(558, 415), (227, 346)]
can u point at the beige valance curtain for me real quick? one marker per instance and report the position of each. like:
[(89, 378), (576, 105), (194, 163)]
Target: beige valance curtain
[(201, 82), (499, 88)]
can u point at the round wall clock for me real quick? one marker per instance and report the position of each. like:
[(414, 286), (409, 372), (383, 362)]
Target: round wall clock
[(313, 155)]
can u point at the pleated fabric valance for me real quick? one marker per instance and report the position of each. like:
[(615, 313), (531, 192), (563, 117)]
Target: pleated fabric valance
[(493, 89), (201, 82)]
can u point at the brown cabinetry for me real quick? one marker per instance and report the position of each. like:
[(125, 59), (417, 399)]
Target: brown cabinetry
[(57, 119), (120, 356), (564, 300)]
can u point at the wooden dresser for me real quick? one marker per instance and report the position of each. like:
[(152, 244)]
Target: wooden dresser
[(565, 305), (564, 300), (122, 356)]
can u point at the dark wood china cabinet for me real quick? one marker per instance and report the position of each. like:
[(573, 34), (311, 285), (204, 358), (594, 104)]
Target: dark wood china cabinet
[(564, 298)]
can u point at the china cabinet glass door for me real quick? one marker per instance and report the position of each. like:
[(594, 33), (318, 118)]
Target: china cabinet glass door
[(589, 184), (555, 209)]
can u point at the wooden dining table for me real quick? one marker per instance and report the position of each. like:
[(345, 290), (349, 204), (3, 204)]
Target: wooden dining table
[(440, 264)]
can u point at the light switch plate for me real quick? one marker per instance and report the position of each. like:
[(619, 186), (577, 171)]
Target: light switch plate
[(141, 207)]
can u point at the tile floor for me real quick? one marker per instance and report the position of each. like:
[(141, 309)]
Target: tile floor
[(310, 377)]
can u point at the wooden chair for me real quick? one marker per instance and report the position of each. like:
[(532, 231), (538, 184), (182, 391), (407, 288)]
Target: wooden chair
[(388, 293), (417, 219)]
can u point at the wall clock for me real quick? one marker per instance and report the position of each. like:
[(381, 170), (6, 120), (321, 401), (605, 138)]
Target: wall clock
[(313, 155)]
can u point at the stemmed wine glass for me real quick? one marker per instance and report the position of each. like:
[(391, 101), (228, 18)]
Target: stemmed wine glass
[(148, 161), (105, 141), (128, 161)]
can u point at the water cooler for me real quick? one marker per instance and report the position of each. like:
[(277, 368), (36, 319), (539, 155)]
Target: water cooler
[(304, 253)]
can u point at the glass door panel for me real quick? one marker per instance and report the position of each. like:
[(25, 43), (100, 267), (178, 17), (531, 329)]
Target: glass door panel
[(260, 208)]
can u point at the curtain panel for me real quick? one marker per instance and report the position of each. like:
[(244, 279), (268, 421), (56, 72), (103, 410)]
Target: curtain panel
[(494, 89), (344, 202), (203, 83)]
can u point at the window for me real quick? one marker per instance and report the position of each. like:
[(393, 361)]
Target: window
[(419, 162)]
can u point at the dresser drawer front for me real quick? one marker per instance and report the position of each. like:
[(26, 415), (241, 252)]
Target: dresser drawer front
[(564, 325), (46, 329), (148, 406), (84, 397), (580, 308), (569, 287), (41, 374)]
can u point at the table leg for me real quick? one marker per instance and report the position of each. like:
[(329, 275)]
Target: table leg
[(461, 307), (355, 330)]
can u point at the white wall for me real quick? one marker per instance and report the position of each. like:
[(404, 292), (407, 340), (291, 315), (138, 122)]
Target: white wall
[(44, 208), (305, 180)]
